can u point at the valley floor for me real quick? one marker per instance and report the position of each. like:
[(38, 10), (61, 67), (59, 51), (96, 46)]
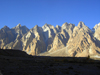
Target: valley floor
[(38, 65)]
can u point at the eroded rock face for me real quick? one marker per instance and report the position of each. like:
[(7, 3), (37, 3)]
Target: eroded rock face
[(97, 33), (6, 36), (77, 41), (60, 40), (68, 27), (11, 37), (61, 37), (33, 41), (82, 42), (96, 26)]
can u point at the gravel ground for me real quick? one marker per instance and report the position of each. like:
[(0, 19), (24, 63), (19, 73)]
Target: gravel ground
[(48, 66)]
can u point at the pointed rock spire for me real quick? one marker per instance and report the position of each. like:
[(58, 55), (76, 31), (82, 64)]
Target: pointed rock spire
[(81, 24), (5, 28), (36, 27), (19, 25), (57, 26), (96, 26), (65, 24)]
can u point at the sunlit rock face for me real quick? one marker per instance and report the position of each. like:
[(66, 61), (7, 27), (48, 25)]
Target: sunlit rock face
[(82, 42), (11, 38), (97, 31), (68, 28), (6, 36), (96, 26), (65, 40), (33, 41)]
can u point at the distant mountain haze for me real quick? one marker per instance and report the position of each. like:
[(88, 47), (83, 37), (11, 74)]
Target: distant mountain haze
[(65, 40)]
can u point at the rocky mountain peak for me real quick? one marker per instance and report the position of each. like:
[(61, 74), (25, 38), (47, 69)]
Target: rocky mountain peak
[(48, 29), (19, 25), (36, 26), (96, 26), (5, 28), (64, 25), (83, 27), (68, 26), (97, 33), (58, 27), (46, 26), (81, 24)]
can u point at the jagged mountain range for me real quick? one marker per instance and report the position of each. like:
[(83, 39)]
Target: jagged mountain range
[(65, 40)]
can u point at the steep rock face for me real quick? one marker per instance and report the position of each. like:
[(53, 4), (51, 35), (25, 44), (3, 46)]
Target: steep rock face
[(49, 32), (68, 27), (96, 26), (11, 38), (6, 36), (58, 28), (20, 29), (60, 40), (97, 33), (82, 44), (61, 36), (33, 41), (97, 36)]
